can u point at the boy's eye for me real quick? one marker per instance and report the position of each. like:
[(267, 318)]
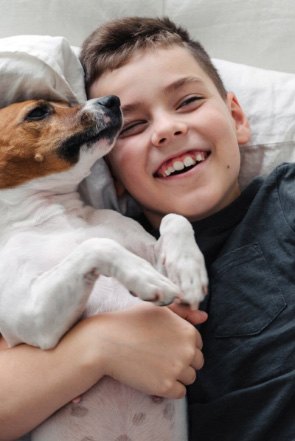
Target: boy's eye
[(132, 128), (190, 102)]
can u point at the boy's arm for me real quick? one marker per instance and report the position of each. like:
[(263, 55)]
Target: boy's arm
[(35, 383), (136, 347)]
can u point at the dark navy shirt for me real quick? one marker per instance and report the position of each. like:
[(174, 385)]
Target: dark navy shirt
[(246, 389)]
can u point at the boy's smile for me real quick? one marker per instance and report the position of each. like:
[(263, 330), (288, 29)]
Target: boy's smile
[(178, 149), (181, 164)]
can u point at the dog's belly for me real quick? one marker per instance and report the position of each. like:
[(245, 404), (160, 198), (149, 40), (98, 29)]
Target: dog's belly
[(113, 412), (110, 411)]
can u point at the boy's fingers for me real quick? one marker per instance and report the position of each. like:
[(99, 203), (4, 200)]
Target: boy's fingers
[(198, 361), (188, 376), (179, 391), (194, 316)]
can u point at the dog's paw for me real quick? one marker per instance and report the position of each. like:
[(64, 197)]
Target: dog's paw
[(188, 271), (150, 285), (145, 282), (179, 257)]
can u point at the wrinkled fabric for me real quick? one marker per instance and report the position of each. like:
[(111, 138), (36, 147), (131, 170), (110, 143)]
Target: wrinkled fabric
[(39, 67)]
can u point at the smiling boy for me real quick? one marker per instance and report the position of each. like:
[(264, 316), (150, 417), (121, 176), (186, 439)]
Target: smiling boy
[(178, 152), (167, 99)]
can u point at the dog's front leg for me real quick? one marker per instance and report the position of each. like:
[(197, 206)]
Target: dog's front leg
[(179, 257), (58, 297)]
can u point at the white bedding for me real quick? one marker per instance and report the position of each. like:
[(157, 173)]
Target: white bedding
[(259, 33), (238, 33)]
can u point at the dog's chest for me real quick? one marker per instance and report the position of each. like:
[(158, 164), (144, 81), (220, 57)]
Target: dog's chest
[(46, 243)]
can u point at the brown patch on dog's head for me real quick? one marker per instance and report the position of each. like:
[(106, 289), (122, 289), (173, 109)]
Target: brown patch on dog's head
[(38, 138)]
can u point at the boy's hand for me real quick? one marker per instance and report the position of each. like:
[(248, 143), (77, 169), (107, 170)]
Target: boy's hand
[(194, 316), (149, 348)]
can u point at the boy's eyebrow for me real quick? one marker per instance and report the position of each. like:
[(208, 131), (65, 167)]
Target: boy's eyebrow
[(129, 108), (181, 82)]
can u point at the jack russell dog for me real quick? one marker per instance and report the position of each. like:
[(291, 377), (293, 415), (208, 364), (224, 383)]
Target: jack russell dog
[(55, 251)]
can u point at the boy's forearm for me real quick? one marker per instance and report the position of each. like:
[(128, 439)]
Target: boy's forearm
[(136, 347), (35, 383)]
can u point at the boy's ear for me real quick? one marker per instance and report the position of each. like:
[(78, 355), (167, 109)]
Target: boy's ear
[(241, 122)]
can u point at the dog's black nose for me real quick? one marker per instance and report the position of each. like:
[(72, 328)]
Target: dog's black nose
[(110, 101)]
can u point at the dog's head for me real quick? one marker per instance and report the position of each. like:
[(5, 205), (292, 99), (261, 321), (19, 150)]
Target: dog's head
[(40, 138)]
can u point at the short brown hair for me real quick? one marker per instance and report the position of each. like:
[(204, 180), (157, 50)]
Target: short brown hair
[(112, 45)]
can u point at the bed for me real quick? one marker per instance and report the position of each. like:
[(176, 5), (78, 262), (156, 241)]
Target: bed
[(251, 44)]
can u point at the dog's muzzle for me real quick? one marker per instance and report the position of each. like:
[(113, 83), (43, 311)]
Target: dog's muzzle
[(102, 118)]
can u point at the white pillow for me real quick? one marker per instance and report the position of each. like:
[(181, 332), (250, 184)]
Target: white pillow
[(39, 66), (268, 99)]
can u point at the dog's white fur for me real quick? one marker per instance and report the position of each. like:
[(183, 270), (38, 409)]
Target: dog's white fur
[(53, 248)]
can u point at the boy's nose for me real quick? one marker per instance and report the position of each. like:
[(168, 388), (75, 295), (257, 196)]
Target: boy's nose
[(164, 135), (164, 139)]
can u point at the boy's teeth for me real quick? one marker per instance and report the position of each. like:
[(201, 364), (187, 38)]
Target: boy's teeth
[(180, 164), (188, 161), (169, 171), (200, 156)]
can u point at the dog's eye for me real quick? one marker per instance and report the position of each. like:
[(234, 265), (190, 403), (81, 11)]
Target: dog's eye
[(38, 113)]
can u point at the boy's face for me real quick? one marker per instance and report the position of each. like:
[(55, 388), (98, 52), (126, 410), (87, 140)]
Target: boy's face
[(178, 149)]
